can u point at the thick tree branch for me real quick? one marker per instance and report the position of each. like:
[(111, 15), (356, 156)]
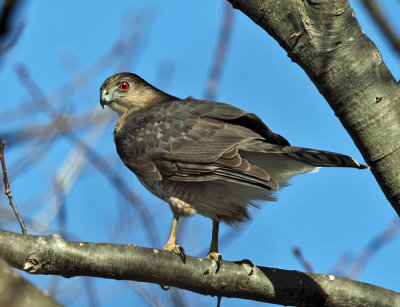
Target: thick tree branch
[(16, 291), (325, 39), (53, 255)]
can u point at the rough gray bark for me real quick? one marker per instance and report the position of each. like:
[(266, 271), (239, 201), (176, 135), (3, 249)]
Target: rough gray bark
[(15, 291), (53, 255), (325, 39)]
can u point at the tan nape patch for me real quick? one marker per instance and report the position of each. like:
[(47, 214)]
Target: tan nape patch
[(143, 97)]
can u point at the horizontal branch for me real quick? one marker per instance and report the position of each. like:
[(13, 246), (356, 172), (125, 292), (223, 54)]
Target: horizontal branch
[(52, 255)]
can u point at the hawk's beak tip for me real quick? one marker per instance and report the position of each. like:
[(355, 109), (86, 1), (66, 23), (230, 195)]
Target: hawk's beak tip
[(103, 102)]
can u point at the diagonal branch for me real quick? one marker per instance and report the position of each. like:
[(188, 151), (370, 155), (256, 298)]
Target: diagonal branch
[(7, 187), (373, 247), (381, 20), (220, 55), (54, 255), (326, 40)]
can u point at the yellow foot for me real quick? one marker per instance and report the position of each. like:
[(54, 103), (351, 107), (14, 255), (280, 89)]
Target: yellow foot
[(177, 249), (216, 257)]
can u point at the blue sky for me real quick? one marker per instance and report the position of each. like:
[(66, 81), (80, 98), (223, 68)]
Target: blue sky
[(326, 214)]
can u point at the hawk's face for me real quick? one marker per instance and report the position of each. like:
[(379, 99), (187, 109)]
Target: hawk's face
[(118, 92), (126, 92)]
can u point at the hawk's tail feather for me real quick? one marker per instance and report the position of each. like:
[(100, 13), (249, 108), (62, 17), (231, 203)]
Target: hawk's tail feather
[(313, 157)]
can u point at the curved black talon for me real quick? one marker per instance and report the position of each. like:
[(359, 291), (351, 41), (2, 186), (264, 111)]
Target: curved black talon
[(176, 249), (217, 257), (219, 261), (182, 254)]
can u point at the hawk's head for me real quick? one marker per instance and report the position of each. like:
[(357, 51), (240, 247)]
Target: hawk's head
[(125, 92)]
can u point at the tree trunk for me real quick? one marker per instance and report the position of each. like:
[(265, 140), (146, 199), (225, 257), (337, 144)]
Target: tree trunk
[(325, 39)]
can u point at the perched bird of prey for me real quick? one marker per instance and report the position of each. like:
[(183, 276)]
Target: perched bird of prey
[(203, 156)]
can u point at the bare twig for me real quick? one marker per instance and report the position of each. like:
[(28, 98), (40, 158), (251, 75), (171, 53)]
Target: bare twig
[(77, 82), (7, 187), (138, 32), (299, 256), (60, 200), (90, 292), (339, 267), (54, 283), (223, 44), (372, 247), (165, 72), (382, 21), (148, 296)]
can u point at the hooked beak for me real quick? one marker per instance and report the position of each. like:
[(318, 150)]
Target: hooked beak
[(105, 98)]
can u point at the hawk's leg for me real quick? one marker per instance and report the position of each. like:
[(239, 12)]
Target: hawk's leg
[(171, 243), (213, 253)]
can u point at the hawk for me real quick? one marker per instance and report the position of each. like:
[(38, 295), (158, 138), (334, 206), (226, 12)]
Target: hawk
[(203, 156)]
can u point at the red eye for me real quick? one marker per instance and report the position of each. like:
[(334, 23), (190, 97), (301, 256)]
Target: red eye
[(124, 86)]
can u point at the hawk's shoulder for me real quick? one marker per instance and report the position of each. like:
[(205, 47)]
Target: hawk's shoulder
[(235, 116)]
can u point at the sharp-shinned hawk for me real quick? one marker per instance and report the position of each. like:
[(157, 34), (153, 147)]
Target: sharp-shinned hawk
[(203, 156)]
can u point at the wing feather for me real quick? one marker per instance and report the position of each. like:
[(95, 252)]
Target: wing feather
[(180, 141), (191, 140)]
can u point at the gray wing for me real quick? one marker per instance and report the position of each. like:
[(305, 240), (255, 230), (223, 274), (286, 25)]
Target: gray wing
[(272, 143), (191, 140)]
